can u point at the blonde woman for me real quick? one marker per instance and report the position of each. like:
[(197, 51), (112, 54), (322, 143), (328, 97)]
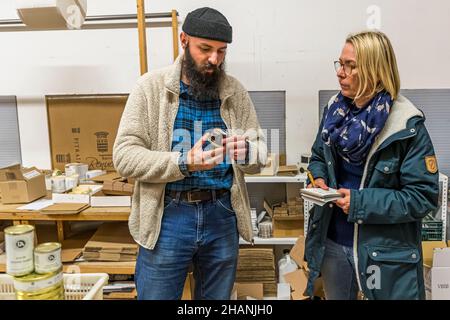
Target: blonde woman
[(373, 146)]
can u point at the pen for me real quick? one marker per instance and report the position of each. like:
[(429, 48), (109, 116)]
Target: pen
[(310, 176)]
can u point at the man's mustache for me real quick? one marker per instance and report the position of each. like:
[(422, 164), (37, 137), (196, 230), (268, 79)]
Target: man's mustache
[(209, 66)]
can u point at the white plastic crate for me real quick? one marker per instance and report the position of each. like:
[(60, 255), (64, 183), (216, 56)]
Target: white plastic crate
[(78, 286)]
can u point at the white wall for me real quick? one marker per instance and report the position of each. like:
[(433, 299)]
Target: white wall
[(278, 45)]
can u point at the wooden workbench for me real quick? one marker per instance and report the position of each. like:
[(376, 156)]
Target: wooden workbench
[(10, 212)]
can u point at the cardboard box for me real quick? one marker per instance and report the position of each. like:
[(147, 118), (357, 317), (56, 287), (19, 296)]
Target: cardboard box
[(54, 14), (288, 171), (118, 188), (287, 227), (298, 280), (21, 185), (76, 198), (65, 208), (271, 167), (271, 205), (247, 291), (111, 176), (187, 293), (297, 252), (111, 242), (83, 129), (440, 274), (99, 199), (436, 260), (428, 248)]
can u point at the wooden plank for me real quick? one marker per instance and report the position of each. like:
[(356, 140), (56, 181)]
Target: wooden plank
[(142, 36), (60, 228), (175, 34), (9, 207), (91, 214), (99, 267), (93, 267)]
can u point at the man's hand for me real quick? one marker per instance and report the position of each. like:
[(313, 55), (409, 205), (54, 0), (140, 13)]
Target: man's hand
[(344, 203), (236, 147), (199, 160), (320, 183)]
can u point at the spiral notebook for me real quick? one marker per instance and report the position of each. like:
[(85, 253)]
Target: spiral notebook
[(319, 196)]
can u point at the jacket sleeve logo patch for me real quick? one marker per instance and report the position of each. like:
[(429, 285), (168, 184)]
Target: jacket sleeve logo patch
[(431, 164)]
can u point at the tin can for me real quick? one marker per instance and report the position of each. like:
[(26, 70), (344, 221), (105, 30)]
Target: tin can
[(19, 243), (47, 258), (76, 168), (59, 184), (35, 286), (72, 181)]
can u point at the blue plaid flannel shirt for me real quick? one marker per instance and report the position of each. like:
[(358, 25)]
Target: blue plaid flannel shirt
[(195, 118)]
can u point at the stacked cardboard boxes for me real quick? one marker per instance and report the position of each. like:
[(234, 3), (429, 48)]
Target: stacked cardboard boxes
[(111, 242), (287, 218), (257, 266)]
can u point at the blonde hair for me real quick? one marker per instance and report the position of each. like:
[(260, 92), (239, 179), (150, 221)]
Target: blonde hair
[(376, 63)]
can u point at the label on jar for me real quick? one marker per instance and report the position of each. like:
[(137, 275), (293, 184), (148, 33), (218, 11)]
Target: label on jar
[(45, 262), (19, 253), (31, 286)]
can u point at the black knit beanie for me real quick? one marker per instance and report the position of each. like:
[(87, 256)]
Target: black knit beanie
[(208, 23)]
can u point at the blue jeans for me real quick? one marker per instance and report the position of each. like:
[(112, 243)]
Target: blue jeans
[(338, 272), (203, 234)]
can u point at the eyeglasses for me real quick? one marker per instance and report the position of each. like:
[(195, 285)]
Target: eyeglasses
[(348, 69)]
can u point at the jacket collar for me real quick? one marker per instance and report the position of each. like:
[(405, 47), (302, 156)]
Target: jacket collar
[(401, 112), (395, 128), (172, 80)]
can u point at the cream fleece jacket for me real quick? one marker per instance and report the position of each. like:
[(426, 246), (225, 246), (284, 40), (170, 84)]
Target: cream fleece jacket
[(142, 149)]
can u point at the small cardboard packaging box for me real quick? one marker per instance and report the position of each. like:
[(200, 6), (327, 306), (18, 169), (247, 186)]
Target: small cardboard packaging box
[(436, 270), (271, 167), (52, 14), (247, 291), (440, 274), (77, 198), (21, 185), (99, 199), (287, 226)]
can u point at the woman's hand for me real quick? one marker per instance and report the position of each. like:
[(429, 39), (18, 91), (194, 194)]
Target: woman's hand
[(344, 203), (320, 183)]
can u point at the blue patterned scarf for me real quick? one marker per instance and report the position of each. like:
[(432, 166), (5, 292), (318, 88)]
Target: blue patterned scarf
[(353, 131)]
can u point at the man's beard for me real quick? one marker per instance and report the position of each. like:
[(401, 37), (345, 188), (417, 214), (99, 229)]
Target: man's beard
[(203, 85)]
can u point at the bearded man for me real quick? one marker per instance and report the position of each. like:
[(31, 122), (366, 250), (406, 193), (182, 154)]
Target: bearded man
[(188, 134)]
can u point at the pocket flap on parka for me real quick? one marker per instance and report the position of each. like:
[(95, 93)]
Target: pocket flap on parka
[(393, 254), (388, 167)]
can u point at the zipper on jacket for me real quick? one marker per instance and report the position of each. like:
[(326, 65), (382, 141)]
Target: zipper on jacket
[(355, 237), (252, 239), (155, 239)]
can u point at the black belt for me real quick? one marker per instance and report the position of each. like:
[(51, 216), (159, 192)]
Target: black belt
[(196, 195)]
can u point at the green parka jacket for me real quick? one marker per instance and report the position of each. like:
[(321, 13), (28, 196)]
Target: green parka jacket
[(400, 186)]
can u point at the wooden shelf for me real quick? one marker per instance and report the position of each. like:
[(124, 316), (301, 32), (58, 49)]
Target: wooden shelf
[(101, 267), (10, 212), (270, 241), (89, 267), (276, 179)]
